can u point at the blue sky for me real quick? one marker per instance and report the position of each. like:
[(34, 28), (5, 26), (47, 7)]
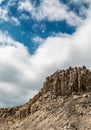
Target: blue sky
[(24, 29), (37, 37)]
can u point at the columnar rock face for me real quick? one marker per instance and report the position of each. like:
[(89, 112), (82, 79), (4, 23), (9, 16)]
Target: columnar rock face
[(64, 82), (65, 94)]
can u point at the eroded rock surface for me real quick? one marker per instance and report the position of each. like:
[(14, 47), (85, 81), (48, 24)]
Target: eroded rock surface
[(64, 103), (64, 82)]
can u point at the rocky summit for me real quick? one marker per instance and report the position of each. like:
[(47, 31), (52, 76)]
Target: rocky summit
[(64, 103)]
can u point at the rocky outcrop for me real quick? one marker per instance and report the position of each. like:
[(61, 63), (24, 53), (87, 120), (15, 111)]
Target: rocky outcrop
[(63, 100), (65, 82)]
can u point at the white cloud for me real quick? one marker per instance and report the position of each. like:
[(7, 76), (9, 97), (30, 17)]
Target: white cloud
[(3, 14), (22, 74), (24, 16), (51, 10), (15, 21), (16, 71), (55, 11), (82, 5), (1, 1), (38, 40), (80, 1), (25, 6)]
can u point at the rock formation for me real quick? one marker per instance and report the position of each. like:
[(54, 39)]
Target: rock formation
[(64, 103), (64, 82)]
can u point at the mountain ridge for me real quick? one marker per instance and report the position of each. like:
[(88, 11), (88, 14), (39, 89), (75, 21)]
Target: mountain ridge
[(61, 92)]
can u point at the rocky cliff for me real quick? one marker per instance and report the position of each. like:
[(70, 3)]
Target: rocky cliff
[(64, 103)]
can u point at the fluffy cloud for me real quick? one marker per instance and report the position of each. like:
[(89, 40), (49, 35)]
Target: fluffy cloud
[(55, 11), (5, 11), (51, 10), (3, 14), (81, 5), (38, 40), (25, 6), (22, 74), (16, 71)]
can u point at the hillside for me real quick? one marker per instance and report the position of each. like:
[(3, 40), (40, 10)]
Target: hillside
[(63, 103)]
